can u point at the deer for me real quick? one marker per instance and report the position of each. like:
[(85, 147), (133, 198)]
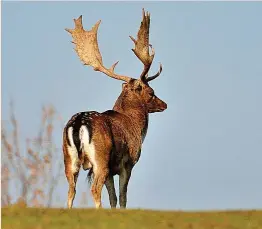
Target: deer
[(109, 143)]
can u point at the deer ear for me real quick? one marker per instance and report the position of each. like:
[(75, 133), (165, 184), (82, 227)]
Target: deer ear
[(124, 86)]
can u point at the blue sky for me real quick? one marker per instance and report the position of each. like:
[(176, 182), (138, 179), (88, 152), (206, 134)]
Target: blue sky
[(204, 151)]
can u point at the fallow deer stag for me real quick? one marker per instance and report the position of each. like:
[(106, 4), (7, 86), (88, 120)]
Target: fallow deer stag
[(109, 143)]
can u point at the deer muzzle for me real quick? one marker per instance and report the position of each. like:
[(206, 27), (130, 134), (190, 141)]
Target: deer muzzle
[(158, 106)]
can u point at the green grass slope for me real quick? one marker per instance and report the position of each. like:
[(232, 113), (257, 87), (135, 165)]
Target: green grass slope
[(32, 218)]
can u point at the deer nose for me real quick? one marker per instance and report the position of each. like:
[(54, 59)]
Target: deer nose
[(164, 106)]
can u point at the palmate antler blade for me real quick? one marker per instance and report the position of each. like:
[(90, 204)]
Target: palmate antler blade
[(142, 45), (86, 47)]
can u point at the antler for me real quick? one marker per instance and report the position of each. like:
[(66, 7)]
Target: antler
[(141, 49), (86, 47)]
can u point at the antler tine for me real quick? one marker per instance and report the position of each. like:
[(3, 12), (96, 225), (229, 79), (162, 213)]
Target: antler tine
[(86, 47), (156, 75), (142, 45)]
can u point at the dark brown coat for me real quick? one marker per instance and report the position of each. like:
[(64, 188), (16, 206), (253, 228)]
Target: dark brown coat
[(110, 143)]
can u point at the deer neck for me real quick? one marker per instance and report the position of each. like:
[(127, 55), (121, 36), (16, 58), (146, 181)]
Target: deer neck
[(135, 110)]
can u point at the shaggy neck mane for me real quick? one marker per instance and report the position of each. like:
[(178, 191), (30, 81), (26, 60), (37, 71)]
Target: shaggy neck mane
[(135, 109)]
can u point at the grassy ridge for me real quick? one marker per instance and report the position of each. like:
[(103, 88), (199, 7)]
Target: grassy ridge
[(31, 218)]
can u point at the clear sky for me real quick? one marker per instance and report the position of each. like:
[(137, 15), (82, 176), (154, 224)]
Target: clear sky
[(205, 150)]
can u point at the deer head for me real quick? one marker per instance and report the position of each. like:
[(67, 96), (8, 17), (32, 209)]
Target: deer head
[(136, 93)]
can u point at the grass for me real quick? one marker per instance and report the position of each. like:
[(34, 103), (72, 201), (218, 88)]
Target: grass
[(36, 218)]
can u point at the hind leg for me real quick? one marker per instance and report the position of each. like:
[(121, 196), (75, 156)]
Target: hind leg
[(100, 176), (71, 176), (72, 179), (72, 166), (98, 151)]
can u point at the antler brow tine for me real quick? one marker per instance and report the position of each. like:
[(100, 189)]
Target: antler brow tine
[(156, 75)]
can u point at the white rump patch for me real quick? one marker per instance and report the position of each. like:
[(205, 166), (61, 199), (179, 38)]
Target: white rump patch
[(72, 150), (86, 147)]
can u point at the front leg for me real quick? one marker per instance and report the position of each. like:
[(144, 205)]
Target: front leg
[(111, 191), (124, 177)]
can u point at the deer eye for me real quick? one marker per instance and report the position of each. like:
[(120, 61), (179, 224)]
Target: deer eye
[(151, 94)]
